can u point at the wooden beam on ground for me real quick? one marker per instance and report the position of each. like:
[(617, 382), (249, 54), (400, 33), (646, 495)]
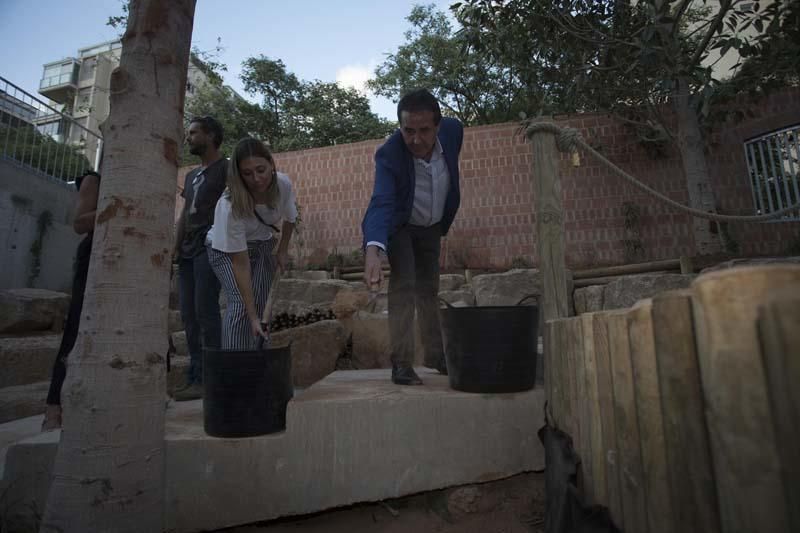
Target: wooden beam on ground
[(744, 447), (624, 270)]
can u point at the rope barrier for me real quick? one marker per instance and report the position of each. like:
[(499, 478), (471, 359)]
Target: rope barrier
[(568, 139)]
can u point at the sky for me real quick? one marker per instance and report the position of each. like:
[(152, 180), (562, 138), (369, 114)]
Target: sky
[(328, 40)]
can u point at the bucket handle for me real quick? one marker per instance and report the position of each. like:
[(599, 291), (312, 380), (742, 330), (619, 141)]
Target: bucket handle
[(446, 303), (526, 297)]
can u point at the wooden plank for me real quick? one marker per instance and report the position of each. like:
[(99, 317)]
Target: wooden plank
[(634, 501), (648, 411), (593, 456), (577, 418), (605, 397), (689, 467), (747, 468), (779, 331), (549, 226), (624, 270)]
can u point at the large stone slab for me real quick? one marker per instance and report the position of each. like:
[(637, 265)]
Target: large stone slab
[(459, 297), (451, 282), (28, 359), (22, 401), (315, 349), (353, 437), (299, 296), (627, 290), (506, 288), (30, 310)]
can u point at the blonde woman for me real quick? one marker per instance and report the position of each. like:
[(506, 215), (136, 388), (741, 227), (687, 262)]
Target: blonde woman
[(243, 238)]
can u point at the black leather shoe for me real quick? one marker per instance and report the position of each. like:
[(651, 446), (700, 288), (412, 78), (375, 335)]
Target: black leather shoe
[(405, 375)]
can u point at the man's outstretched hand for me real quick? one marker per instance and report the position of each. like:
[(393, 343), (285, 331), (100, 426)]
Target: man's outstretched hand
[(373, 270)]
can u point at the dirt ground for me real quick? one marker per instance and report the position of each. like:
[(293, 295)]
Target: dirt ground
[(513, 505)]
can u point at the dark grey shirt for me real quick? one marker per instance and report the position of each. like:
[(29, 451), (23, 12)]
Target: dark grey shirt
[(201, 190)]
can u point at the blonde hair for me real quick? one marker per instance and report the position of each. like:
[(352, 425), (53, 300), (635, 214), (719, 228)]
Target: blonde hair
[(242, 202)]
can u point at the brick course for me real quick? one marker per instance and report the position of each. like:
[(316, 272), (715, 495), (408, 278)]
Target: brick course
[(496, 222)]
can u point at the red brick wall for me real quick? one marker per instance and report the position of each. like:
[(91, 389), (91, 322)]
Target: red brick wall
[(496, 222)]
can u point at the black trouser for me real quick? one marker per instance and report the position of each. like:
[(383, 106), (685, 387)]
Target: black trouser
[(414, 284), (73, 320)]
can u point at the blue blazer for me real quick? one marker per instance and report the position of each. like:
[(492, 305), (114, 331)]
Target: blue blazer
[(393, 194)]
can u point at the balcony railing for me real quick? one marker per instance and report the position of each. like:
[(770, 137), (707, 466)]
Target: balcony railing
[(42, 138)]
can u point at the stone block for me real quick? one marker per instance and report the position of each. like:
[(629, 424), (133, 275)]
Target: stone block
[(174, 323), (176, 377), (315, 349), (588, 299), (23, 401), (451, 282), (371, 346), (753, 262), (353, 437), (26, 360), (179, 341), (314, 275), (506, 288), (31, 310), (463, 297), (627, 290), (299, 296)]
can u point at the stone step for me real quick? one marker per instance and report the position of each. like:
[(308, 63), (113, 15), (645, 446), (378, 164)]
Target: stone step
[(352, 437), (23, 401), (27, 359)]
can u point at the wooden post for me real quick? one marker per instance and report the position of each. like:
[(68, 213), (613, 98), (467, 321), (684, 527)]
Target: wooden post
[(632, 483), (747, 466), (648, 411), (779, 328), (549, 226), (689, 467), (592, 456)]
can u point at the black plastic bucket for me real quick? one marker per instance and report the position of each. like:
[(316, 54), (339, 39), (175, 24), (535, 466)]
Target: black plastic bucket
[(246, 392), (491, 349)]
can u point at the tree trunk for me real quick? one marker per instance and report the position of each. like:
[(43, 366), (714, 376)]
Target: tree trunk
[(109, 469), (698, 182)]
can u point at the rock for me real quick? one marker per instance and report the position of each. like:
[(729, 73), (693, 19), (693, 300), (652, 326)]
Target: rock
[(23, 401), (458, 298), (451, 282), (298, 296), (316, 275), (176, 377), (371, 346), (315, 349), (29, 310), (507, 288), (25, 360), (174, 321), (179, 341), (349, 302), (752, 262), (627, 290), (588, 299)]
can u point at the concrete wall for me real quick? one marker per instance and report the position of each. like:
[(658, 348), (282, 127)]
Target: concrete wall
[(24, 197)]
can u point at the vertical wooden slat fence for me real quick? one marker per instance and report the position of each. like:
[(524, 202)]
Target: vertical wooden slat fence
[(685, 408)]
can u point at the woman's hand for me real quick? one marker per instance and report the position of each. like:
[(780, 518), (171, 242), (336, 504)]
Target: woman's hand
[(283, 260), (256, 329)]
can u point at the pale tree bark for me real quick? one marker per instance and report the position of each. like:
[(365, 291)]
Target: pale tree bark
[(109, 469), (693, 158)]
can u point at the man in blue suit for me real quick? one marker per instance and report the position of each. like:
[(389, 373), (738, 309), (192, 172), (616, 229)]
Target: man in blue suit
[(414, 202)]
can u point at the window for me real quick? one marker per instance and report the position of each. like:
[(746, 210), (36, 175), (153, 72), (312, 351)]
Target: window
[(773, 164)]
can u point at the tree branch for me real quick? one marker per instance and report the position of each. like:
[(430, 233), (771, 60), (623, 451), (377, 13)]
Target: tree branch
[(724, 7)]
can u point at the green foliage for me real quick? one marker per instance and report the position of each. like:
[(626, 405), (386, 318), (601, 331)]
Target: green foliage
[(306, 114), (25, 144)]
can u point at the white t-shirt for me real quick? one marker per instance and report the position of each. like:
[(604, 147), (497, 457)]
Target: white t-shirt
[(231, 234)]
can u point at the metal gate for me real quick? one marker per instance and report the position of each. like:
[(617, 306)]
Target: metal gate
[(774, 169)]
